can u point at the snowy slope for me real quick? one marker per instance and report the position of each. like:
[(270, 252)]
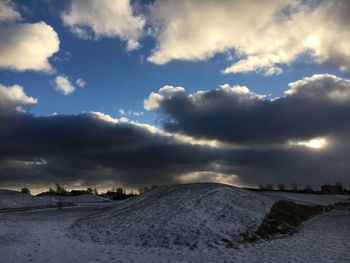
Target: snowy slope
[(189, 215), (87, 198), (309, 199), (41, 236), (84, 198), (214, 212), (14, 199)]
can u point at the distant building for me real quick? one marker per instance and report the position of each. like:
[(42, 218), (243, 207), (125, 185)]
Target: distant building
[(332, 189)]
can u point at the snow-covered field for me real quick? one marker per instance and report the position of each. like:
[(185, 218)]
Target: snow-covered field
[(163, 225), (14, 199), (84, 198)]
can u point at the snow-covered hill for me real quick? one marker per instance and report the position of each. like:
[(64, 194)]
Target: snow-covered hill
[(14, 199), (193, 215), (196, 221)]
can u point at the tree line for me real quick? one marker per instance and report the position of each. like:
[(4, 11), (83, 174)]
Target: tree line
[(116, 193), (294, 187)]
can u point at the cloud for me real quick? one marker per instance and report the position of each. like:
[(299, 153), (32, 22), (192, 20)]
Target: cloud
[(326, 86), (299, 165), (81, 83), (255, 63), (96, 149), (90, 148), (315, 106), (122, 112), (208, 176), (105, 18), (8, 12), (135, 113), (13, 99), (154, 99), (284, 31), (25, 46), (63, 85)]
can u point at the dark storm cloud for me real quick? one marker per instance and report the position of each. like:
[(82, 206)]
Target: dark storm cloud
[(271, 133), (294, 165), (313, 107), (88, 148)]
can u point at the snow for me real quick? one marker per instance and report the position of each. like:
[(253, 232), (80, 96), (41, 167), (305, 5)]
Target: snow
[(192, 215), (83, 198), (325, 238), (50, 235), (14, 199), (308, 199)]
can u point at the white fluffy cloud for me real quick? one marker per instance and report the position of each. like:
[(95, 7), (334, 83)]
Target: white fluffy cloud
[(25, 46), (328, 87), (104, 18), (63, 85), (13, 98), (155, 98), (264, 34)]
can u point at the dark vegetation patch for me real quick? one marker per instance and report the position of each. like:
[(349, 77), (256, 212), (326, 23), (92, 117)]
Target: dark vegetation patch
[(343, 205), (284, 218)]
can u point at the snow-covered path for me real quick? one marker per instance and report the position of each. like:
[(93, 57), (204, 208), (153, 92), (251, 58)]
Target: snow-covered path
[(41, 236)]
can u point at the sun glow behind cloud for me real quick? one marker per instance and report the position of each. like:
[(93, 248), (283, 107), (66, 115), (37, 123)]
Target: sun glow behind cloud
[(315, 143), (209, 176)]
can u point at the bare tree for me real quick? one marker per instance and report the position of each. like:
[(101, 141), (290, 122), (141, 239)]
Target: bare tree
[(295, 187), (308, 188), (340, 186), (51, 191), (281, 187), (89, 190), (60, 191), (119, 191), (144, 189), (132, 193), (269, 187), (25, 190), (261, 186), (95, 191)]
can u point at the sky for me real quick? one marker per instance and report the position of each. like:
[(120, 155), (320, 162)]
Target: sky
[(132, 93)]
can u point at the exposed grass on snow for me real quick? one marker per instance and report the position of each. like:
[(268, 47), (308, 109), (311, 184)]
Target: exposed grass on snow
[(285, 216)]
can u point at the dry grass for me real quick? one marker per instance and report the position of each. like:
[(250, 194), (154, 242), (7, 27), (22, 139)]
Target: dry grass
[(285, 216)]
